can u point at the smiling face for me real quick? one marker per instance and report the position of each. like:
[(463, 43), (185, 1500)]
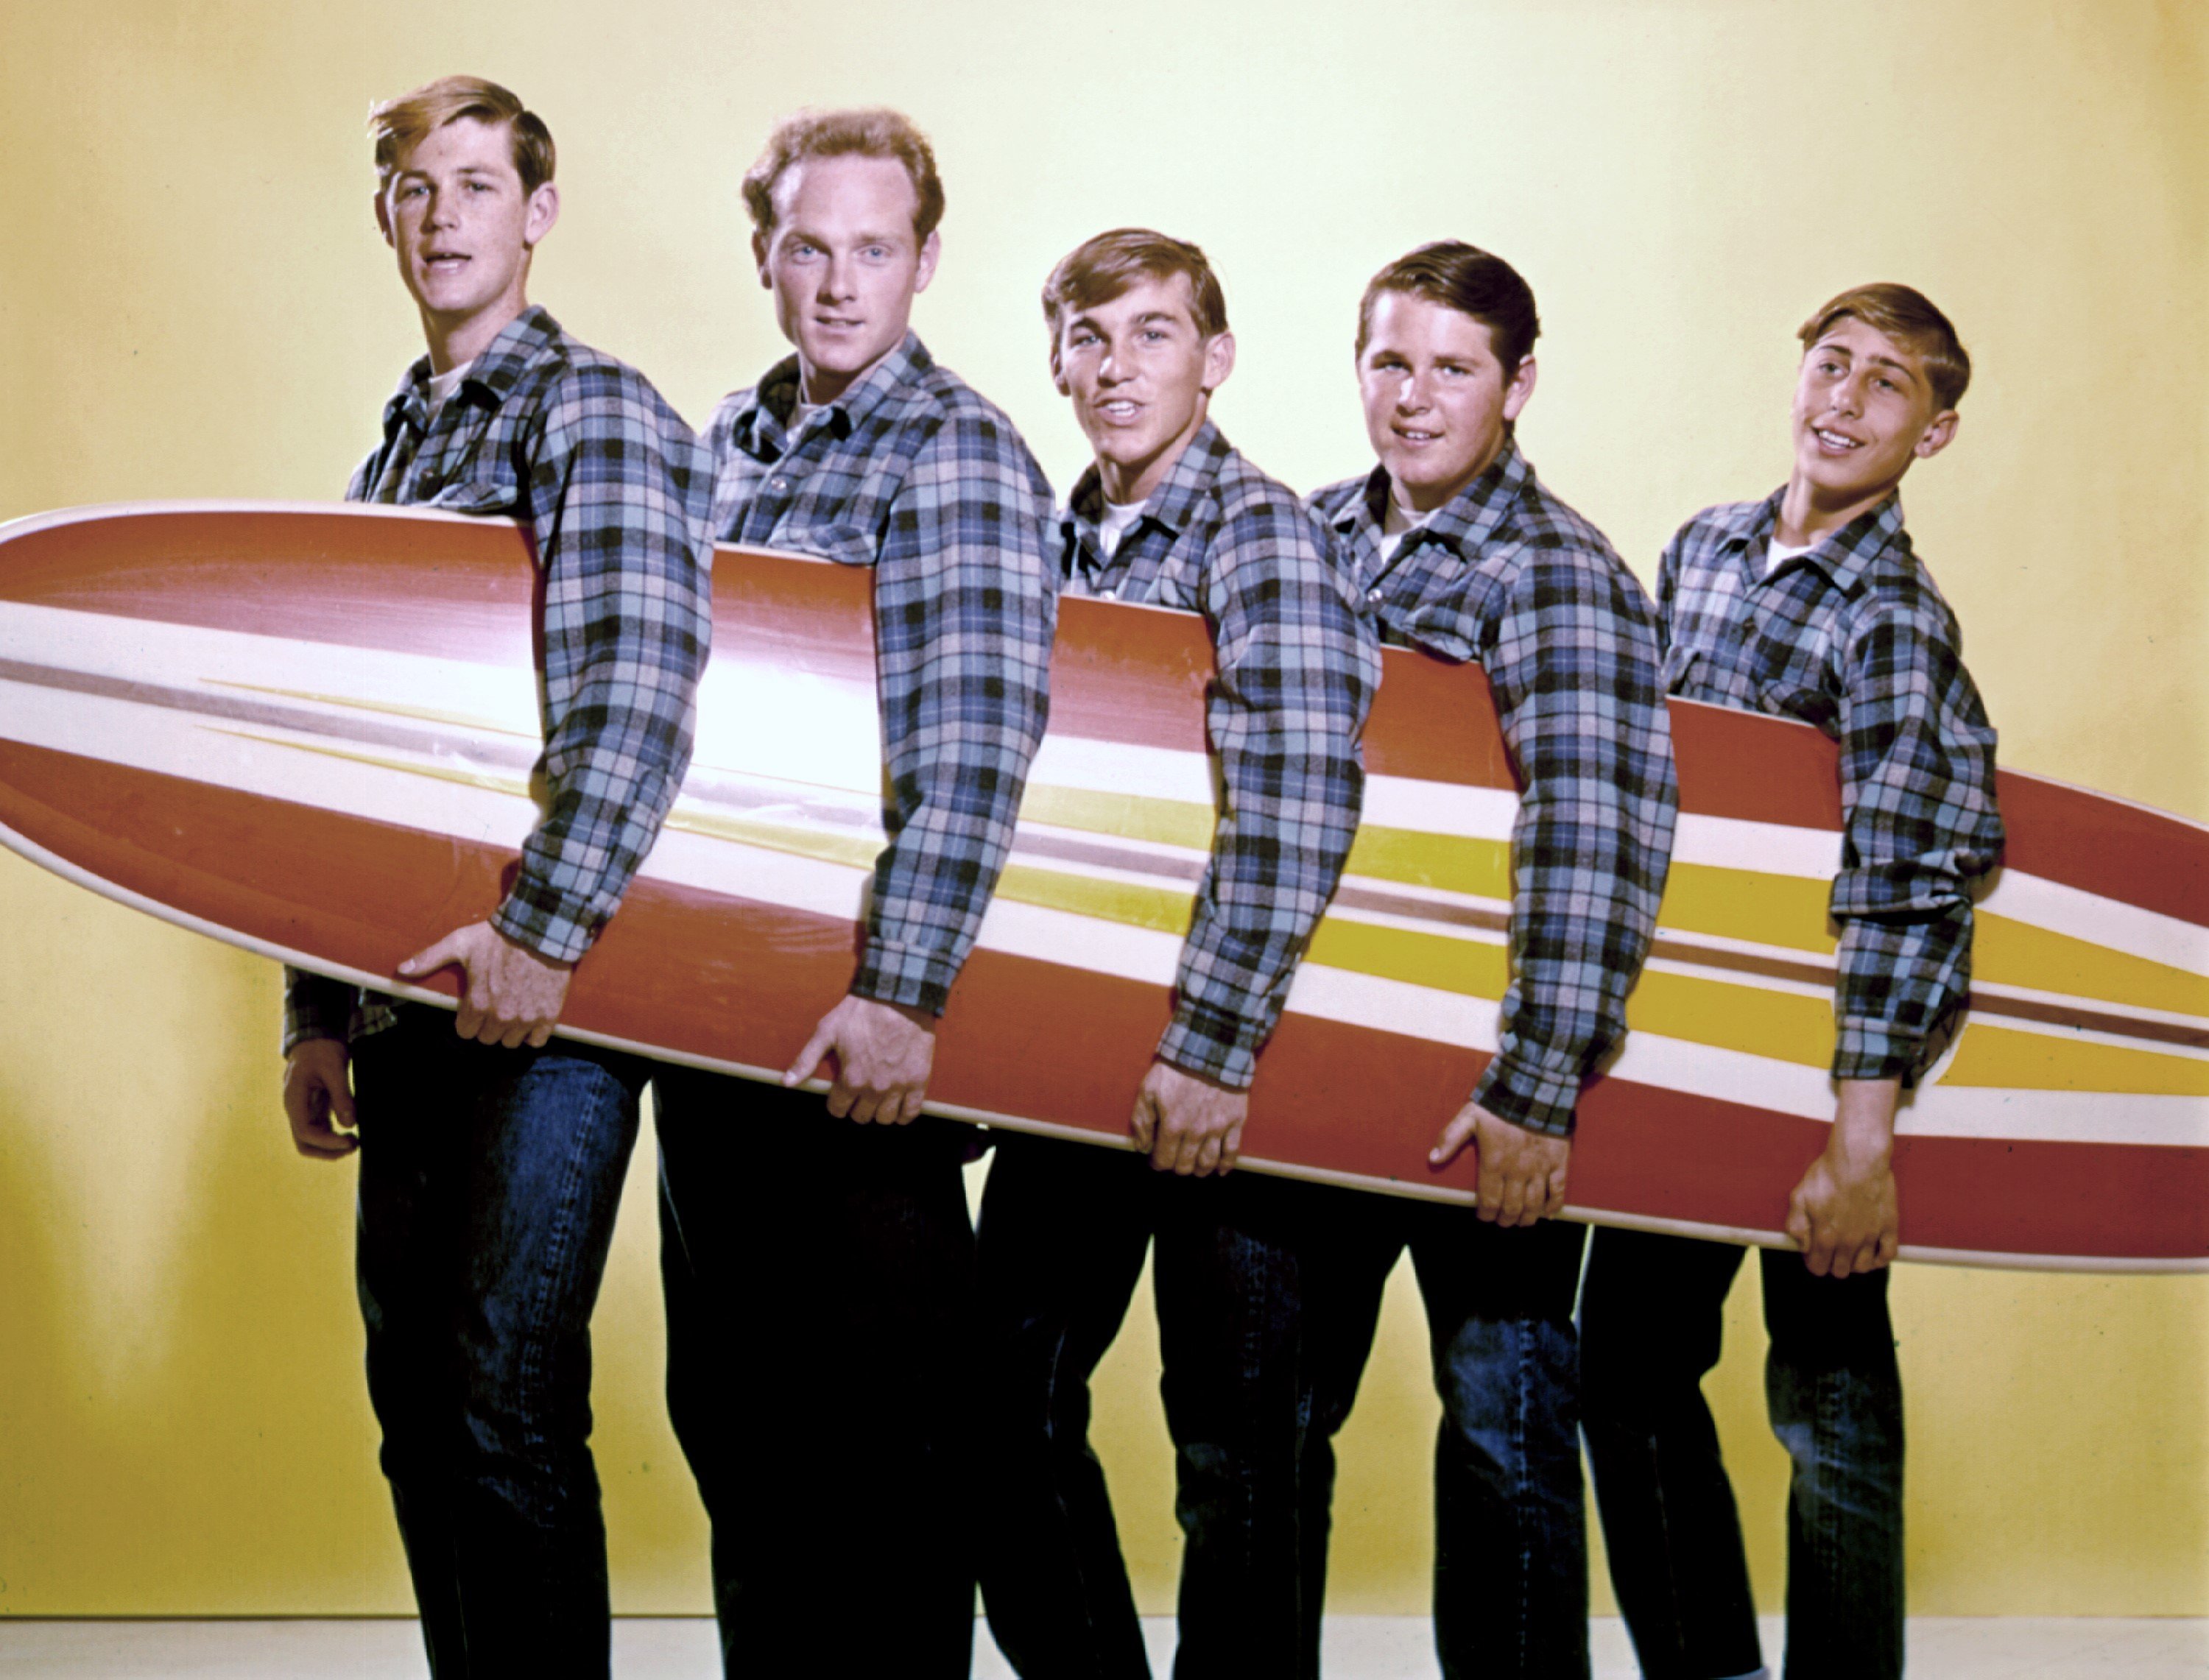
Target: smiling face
[(455, 212), (1863, 411), (843, 265), (1436, 399), (1142, 374)]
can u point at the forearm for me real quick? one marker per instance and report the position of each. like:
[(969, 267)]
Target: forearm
[(965, 609), (1897, 982)]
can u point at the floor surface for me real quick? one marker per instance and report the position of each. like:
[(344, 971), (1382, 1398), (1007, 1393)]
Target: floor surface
[(1376, 1647)]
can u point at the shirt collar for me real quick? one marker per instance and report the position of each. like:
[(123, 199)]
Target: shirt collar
[(1175, 502), (1467, 521), (1849, 556), (766, 419), (498, 369)]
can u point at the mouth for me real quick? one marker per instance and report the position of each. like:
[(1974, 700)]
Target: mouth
[(1416, 436), (836, 323), (1119, 410), (445, 262), (1835, 443)]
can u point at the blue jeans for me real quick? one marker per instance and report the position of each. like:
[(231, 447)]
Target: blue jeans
[(1064, 1229), (1510, 1517), (819, 1278), (1651, 1320), (489, 1180)]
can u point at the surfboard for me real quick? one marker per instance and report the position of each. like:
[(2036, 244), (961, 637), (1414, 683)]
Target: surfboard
[(308, 730)]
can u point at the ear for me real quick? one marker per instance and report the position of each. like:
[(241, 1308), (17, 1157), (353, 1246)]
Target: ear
[(759, 259), (383, 219), (1058, 370), (543, 211), (1219, 360), (931, 248), (1521, 387), (1938, 436)]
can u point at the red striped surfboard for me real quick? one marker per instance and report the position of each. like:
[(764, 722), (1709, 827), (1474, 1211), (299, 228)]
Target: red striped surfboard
[(307, 731)]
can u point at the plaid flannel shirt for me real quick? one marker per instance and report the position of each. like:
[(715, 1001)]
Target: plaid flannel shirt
[(1854, 638), (912, 472), (1297, 667), (1507, 575), (613, 490)]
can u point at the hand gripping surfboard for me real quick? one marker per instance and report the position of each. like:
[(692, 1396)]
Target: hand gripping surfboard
[(309, 732)]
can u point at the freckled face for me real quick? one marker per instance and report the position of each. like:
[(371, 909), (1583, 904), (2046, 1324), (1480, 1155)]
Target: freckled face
[(1436, 398), (455, 213), (1140, 374), (843, 265)]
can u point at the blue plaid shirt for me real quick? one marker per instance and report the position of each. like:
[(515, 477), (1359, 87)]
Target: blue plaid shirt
[(1854, 638), (614, 489), (1507, 575), (912, 473), (1296, 667)]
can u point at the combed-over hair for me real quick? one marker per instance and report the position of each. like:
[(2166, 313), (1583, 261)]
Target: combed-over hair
[(872, 132), (1097, 270), (1908, 317), (1472, 282), (399, 124)]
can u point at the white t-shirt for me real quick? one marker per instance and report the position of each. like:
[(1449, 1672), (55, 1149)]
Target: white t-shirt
[(1119, 518), (442, 385), (1397, 523), (1777, 554)]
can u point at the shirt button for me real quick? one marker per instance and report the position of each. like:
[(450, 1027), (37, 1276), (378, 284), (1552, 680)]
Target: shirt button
[(778, 483), (1373, 597)]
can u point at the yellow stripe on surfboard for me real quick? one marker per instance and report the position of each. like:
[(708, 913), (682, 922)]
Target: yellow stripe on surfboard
[(2002, 1058)]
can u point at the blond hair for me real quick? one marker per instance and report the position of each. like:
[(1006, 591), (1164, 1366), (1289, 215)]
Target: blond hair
[(398, 123), (1908, 318), (872, 132)]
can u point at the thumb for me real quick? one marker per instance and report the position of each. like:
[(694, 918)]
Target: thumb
[(1455, 1136), (801, 1069), (1142, 1123), (431, 958)]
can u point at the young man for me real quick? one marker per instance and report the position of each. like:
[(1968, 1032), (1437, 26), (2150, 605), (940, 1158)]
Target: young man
[(1463, 552), (1811, 603), (491, 1158), (819, 1273), (1170, 515)]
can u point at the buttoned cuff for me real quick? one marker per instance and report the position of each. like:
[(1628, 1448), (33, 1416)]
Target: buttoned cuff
[(1541, 1100), (1868, 1049), (1222, 1048), (538, 918), (899, 975)]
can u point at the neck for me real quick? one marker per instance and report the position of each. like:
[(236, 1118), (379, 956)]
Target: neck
[(817, 386), (454, 342), (1808, 517), (1137, 481)]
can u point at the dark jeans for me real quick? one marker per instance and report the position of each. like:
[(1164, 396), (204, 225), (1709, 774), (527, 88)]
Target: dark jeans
[(1064, 1229), (488, 1184), (1651, 1321), (1510, 1517), (819, 1277)]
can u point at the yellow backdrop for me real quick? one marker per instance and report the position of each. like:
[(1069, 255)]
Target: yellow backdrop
[(193, 302)]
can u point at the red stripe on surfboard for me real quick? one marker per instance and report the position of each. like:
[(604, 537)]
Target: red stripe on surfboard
[(728, 978), (465, 587)]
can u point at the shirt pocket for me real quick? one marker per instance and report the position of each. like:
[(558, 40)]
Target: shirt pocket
[(846, 544)]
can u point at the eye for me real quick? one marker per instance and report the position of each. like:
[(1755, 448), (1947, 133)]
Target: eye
[(1884, 383)]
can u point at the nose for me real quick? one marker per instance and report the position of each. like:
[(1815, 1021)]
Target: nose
[(1412, 396), (1110, 372), (1847, 396), (443, 211), (836, 283)]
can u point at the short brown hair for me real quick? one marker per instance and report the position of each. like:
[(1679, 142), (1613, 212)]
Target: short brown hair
[(1472, 282), (1097, 270), (1908, 317), (399, 124), (872, 132)]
